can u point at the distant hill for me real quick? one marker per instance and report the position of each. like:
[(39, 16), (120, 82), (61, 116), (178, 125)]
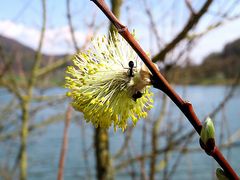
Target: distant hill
[(21, 55), (216, 68)]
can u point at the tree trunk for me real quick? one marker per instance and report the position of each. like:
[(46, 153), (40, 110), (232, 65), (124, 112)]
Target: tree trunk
[(24, 136)]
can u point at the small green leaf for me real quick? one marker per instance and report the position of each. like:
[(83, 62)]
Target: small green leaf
[(220, 174)]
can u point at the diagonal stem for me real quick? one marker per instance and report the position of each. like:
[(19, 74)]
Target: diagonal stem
[(193, 20), (162, 84)]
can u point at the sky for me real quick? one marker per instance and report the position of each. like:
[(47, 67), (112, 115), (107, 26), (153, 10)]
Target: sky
[(21, 20)]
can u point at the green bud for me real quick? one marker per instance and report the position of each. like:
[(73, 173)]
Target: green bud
[(220, 174), (208, 131)]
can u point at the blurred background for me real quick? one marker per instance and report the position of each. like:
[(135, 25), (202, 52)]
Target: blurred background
[(196, 45)]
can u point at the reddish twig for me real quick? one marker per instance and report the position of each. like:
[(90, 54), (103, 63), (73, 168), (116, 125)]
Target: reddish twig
[(161, 83), (64, 143)]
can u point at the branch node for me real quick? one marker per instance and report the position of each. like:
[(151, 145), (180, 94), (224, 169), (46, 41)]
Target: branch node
[(209, 147), (156, 84), (122, 29)]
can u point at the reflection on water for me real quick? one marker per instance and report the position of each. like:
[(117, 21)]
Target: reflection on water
[(44, 144)]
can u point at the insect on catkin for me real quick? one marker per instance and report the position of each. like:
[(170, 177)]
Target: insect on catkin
[(109, 84)]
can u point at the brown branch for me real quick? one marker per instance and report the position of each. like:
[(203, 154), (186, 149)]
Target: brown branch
[(212, 27), (69, 18), (38, 55), (167, 148), (193, 20), (179, 157), (9, 83), (142, 163), (154, 138), (64, 143), (227, 97), (42, 124), (6, 62), (189, 6), (132, 170), (11, 87), (152, 23), (67, 58), (125, 143), (53, 66), (85, 152), (161, 83)]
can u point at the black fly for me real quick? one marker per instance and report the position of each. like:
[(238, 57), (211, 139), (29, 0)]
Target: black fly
[(137, 95)]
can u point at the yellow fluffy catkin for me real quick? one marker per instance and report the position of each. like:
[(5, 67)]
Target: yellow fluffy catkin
[(102, 87)]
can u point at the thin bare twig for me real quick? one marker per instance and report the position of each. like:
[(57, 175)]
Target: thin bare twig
[(227, 97), (125, 143), (42, 124), (154, 138), (64, 143), (189, 6), (69, 18), (152, 23), (85, 152), (193, 20), (142, 163)]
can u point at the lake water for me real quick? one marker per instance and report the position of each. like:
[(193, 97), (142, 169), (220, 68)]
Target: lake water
[(44, 144)]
